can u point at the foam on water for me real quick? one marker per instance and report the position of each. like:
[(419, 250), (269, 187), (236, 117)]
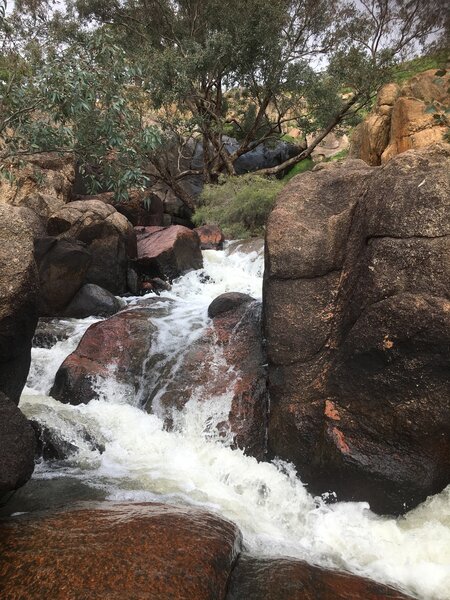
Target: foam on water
[(143, 461)]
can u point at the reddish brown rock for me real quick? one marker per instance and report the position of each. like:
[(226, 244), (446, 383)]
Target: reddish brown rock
[(228, 360), (115, 347), (289, 579), (108, 235), (357, 317), (145, 551), (167, 251), (211, 237)]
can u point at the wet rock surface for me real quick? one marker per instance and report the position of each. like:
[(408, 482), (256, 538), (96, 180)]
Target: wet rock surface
[(103, 550), (289, 579), (108, 235), (18, 301), (226, 302), (211, 237), (167, 252), (17, 446), (227, 360), (357, 318), (117, 346)]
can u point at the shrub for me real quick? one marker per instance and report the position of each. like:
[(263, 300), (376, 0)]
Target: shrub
[(239, 205)]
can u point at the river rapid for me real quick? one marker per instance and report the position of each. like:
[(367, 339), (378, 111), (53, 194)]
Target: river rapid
[(142, 461)]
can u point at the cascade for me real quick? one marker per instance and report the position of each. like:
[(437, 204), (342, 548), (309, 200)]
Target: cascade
[(129, 455)]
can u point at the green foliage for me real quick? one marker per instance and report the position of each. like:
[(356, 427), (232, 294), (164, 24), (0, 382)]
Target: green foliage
[(239, 205), (81, 100), (408, 69), (305, 165), (339, 155)]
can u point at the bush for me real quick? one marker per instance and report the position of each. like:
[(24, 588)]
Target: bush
[(239, 205)]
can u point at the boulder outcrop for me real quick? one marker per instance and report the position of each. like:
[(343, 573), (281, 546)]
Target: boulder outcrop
[(413, 115), (289, 579), (17, 446), (357, 319), (141, 208), (18, 301), (228, 361), (63, 265), (107, 234), (42, 185), (106, 550), (167, 252), (117, 347)]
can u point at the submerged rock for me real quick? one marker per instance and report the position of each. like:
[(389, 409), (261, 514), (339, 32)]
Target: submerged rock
[(289, 579), (107, 550), (107, 234), (357, 318), (115, 348), (167, 251), (17, 446)]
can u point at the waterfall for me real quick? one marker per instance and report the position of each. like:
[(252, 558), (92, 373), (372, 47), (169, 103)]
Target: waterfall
[(130, 455)]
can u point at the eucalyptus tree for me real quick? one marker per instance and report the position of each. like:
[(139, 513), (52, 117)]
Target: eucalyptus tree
[(207, 69), (79, 96)]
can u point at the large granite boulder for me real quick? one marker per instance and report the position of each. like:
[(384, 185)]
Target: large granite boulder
[(116, 348), (357, 319), (226, 361), (63, 265), (108, 235), (289, 579), (167, 252), (107, 550), (412, 115), (18, 300), (17, 445), (141, 208), (92, 300)]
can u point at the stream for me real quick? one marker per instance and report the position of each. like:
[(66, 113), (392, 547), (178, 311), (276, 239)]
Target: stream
[(142, 461)]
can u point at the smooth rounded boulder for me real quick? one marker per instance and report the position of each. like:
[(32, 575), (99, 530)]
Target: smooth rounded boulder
[(116, 348), (357, 321), (107, 234), (92, 300), (110, 550)]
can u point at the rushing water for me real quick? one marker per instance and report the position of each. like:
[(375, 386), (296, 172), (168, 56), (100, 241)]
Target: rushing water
[(143, 461)]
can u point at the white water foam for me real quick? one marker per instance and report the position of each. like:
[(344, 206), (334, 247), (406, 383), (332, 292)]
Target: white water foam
[(143, 461)]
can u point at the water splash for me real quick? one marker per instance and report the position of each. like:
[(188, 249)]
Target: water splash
[(143, 461)]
